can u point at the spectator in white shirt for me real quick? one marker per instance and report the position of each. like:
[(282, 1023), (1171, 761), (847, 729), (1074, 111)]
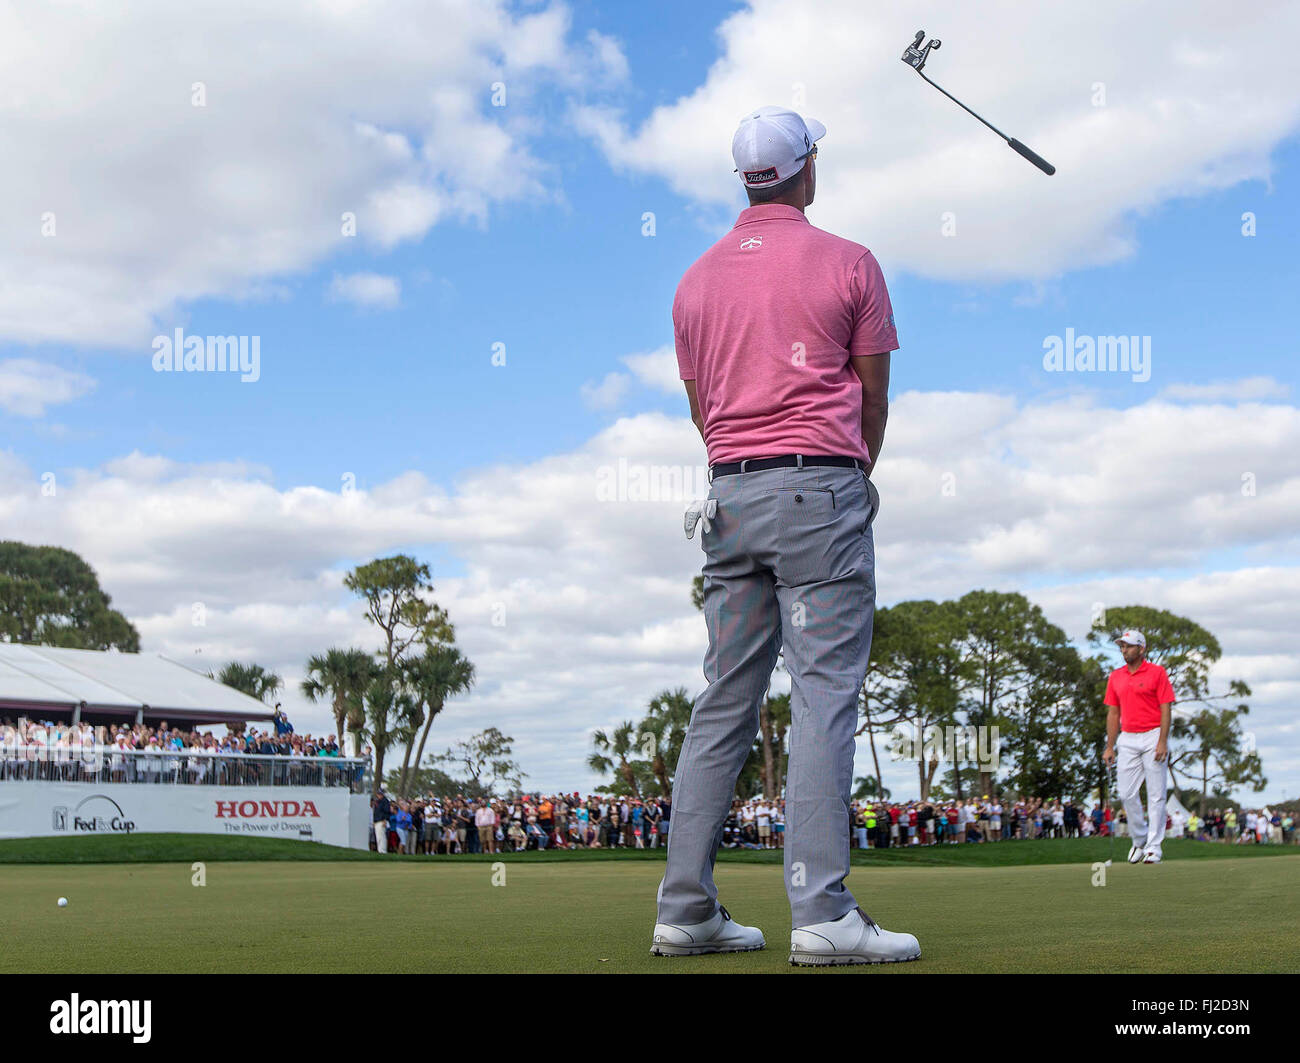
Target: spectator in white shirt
[(485, 819)]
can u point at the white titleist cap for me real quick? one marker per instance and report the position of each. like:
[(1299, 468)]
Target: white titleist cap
[(1133, 638), (772, 144)]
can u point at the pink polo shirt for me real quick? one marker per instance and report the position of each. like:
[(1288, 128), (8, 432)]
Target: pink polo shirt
[(765, 322)]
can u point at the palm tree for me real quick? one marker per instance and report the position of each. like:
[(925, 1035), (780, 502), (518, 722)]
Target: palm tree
[(773, 722), (442, 672), (343, 675), (619, 746), (667, 719), (382, 695), (410, 715), (250, 679), (356, 717)]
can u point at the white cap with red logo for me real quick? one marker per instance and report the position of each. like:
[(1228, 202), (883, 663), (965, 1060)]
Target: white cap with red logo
[(772, 144), (1133, 638)]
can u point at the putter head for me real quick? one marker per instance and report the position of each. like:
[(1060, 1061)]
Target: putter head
[(915, 56)]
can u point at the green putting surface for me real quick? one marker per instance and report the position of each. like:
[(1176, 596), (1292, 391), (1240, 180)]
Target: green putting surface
[(1228, 914), (186, 848)]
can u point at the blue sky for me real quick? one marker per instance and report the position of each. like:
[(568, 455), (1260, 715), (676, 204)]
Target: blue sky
[(571, 288), (554, 265)]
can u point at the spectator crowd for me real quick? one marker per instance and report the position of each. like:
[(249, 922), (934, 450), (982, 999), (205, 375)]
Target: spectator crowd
[(125, 753), (1250, 826), (450, 825), (433, 825), (141, 752), (987, 820)]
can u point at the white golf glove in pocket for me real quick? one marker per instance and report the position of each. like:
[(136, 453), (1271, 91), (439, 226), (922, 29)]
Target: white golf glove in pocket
[(702, 509)]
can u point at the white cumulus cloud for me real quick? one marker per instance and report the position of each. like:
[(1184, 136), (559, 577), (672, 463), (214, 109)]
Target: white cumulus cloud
[(1134, 104), (27, 387), (171, 152), (372, 290), (574, 603)]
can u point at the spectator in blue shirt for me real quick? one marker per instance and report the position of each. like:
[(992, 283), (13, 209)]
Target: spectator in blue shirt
[(536, 836), (403, 824)]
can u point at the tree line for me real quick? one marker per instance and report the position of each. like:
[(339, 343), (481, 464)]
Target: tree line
[(986, 660)]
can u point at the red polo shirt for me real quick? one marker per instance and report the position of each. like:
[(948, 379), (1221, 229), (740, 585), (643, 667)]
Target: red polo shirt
[(1139, 695)]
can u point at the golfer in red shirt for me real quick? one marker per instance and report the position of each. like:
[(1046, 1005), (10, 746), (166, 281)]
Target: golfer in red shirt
[(1140, 699)]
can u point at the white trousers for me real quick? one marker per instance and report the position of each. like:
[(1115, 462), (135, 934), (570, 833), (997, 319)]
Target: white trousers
[(381, 837), (1135, 761)]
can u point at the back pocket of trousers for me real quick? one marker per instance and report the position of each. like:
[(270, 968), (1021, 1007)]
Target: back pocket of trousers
[(807, 520)]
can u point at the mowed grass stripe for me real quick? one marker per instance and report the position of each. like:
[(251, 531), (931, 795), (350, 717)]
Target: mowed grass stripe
[(186, 848), (1222, 915)]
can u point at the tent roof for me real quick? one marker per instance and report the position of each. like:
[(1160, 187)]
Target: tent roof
[(112, 684)]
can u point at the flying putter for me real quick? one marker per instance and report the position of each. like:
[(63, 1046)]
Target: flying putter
[(915, 57)]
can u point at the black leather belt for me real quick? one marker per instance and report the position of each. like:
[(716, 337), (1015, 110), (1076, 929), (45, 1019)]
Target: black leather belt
[(785, 461)]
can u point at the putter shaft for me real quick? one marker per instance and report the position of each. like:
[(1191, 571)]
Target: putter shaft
[(915, 57)]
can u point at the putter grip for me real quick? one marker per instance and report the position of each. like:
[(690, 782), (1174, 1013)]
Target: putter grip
[(1029, 154)]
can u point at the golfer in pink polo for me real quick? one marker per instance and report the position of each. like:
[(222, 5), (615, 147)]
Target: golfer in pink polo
[(783, 336)]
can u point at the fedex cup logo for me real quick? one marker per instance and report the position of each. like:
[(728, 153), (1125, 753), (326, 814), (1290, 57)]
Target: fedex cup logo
[(97, 814)]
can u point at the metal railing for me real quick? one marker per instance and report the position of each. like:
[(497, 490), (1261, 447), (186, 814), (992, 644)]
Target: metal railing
[(104, 764)]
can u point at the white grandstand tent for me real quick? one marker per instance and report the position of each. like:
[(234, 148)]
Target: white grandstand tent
[(47, 683)]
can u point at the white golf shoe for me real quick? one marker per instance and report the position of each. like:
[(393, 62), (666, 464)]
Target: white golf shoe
[(1151, 856), (1136, 854), (719, 934), (853, 938)]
